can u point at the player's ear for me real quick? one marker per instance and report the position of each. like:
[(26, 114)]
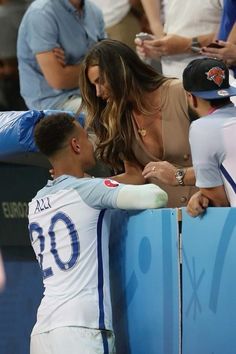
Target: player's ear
[(195, 101), (75, 145)]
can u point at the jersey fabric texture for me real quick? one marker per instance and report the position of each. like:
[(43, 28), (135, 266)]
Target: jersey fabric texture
[(207, 146), (228, 167), (69, 235), (73, 340)]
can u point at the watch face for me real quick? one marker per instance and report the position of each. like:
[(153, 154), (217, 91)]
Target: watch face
[(179, 173)]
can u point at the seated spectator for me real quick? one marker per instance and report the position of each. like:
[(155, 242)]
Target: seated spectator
[(139, 117), (53, 38), (206, 81), (11, 13)]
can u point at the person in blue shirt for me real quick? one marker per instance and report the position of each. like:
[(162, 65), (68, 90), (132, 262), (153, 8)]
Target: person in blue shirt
[(53, 38)]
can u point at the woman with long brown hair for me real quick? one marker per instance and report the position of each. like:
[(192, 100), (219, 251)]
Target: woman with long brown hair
[(140, 119)]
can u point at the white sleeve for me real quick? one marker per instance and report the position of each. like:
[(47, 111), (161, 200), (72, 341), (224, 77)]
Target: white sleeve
[(148, 196)]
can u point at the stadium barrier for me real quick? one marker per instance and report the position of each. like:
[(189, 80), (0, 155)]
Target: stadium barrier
[(172, 292)]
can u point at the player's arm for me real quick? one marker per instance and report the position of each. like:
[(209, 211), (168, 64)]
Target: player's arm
[(58, 76), (132, 174), (141, 197), (102, 193)]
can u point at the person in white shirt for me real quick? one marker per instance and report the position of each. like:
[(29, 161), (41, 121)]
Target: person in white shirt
[(206, 82), (120, 22), (69, 231), (189, 26)]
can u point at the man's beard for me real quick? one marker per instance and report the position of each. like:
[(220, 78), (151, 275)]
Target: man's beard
[(193, 115)]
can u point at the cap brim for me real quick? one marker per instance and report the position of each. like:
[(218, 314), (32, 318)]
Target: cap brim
[(217, 94)]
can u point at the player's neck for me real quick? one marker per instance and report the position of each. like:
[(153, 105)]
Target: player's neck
[(67, 168)]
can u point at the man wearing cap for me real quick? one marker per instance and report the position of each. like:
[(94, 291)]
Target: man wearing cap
[(206, 81)]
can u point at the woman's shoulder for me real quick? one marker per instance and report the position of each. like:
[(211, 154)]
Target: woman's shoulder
[(173, 90), (173, 84)]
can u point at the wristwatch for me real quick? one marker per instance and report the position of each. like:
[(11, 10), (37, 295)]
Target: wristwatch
[(179, 175), (195, 45)]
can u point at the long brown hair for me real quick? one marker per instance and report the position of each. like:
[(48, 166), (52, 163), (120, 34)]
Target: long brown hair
[(128, 78)]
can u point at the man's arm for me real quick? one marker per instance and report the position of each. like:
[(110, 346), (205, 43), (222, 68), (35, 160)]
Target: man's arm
[(216, 195), (205, 197), (152, 9), (58, 76), (170, 44)]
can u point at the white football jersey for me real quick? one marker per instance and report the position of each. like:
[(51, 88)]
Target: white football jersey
[(69, 235), (228, 166)]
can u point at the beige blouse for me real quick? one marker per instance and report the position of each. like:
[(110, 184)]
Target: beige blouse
[(175, 130)]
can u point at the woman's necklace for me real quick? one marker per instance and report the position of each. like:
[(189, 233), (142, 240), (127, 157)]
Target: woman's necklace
[(142, 131)]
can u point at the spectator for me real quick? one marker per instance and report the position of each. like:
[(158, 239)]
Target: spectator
[(138, 116), (189, 25), (53, 38), (120, 22), (155, 12), (70, 238), (226, 37), (228, 19), (206, 81), (11, 13)]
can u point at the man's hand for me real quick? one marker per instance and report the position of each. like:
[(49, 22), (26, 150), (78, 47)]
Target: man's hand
[(197, 204), (60, 55), (168, 45), (162, 171)]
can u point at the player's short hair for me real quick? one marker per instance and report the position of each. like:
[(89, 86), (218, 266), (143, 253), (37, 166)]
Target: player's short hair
[(51, 132)]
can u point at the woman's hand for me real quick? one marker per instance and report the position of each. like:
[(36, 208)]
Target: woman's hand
[(227, 52), (162, 171)]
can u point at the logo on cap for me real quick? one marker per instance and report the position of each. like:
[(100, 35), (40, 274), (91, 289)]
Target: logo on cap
[(223, 93), (216, 74)]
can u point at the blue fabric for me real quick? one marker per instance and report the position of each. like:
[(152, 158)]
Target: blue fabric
[(48, 24), (16, 130), (227, 21)]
